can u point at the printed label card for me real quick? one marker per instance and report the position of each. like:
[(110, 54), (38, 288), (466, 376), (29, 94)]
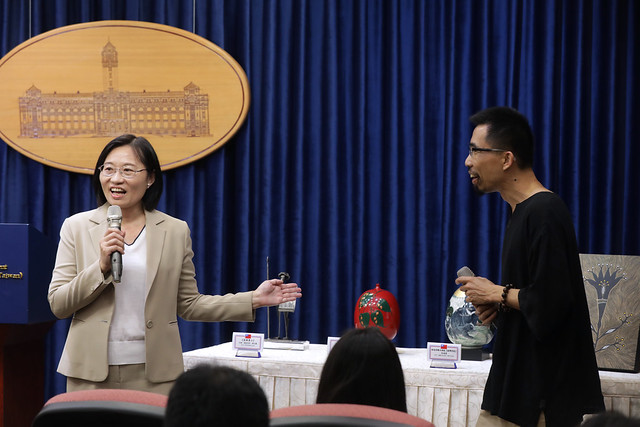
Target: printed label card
[(444, 355), (247, 344)]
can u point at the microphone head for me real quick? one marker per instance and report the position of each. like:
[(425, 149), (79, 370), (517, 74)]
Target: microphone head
[(114, 216), (465, 271), (114, 212)]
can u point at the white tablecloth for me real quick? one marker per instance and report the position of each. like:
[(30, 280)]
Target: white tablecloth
[(446, 397)]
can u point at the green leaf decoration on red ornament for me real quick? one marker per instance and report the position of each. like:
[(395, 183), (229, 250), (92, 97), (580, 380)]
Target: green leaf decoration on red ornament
[(384, 305), (364, 319), (365, 298), (377, 318)]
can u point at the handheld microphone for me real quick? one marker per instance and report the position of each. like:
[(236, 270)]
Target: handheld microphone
[(465, 271), (114, 218)]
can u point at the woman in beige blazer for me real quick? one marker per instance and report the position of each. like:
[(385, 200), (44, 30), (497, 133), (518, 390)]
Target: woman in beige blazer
[(125, 335)]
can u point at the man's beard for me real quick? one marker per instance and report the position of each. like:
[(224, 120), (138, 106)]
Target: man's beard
[(477, 190)]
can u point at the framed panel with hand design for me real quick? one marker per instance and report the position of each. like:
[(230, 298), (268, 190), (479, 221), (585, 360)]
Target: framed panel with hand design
[(612, 285)]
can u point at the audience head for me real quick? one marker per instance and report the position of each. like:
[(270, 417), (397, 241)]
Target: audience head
[(363, 368), (216, 396), (611, 419)]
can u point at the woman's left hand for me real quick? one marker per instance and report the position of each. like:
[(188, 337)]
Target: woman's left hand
[(274, 292)]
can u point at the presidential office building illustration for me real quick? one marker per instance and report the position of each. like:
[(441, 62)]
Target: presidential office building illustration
[(113, 112)]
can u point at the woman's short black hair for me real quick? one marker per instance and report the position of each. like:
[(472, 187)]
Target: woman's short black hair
[(363, 368), (147, 155)]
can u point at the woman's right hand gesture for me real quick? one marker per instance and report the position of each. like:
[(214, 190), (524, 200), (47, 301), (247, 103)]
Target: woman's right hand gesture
[(112, 241)]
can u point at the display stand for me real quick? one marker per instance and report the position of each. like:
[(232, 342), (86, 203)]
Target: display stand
[(475, 353), (26, 263)]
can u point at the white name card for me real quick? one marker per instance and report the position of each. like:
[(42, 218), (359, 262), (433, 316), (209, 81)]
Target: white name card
[(247, 344), (444, 355)]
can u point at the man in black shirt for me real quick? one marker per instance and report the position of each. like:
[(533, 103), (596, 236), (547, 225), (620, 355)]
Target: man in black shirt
[(544, 367)]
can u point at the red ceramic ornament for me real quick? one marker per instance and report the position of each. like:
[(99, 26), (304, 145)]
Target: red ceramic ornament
[(379, 309)]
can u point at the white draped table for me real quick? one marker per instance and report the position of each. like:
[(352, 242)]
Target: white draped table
[(446, 397)]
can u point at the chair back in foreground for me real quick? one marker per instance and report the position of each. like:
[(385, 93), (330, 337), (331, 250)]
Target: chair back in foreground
[(343, 414), (101, 408)]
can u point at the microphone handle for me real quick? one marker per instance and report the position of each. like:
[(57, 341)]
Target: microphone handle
[(116, 266), (116, 259)]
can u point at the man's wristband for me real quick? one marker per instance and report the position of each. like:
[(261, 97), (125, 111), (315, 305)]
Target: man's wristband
[(503, 303)]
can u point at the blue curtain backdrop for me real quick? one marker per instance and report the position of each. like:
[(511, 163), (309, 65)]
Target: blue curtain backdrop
[(349, 169)]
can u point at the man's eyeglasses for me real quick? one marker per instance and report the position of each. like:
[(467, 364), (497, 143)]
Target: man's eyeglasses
[(473, 150), (125, 172)]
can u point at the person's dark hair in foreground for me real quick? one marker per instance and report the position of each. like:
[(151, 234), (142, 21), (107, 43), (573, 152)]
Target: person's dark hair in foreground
[(216, 396), (611, 419), (363, 368)]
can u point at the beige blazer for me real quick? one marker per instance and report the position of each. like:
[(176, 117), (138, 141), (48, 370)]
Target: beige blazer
[(79, 288)]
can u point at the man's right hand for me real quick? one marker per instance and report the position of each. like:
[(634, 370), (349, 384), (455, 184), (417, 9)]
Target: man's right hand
[(487, 313)]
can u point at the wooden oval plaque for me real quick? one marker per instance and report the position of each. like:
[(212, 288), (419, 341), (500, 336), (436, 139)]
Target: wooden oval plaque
[(67, 92)]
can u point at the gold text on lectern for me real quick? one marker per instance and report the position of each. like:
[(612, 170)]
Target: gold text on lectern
[(11, 275), (3, 275)]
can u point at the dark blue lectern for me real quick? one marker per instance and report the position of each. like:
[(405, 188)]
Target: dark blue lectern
[(26, 262)]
